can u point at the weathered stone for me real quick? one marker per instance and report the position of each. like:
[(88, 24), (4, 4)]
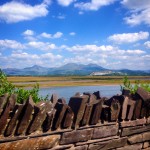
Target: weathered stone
[(40, 143), (62, 100), (38, 117), (68, 118), (146, 136), (131, 103), (47, 124), (135, 130), (143, 93), (115, 110), (88, 110), (105, 131), (137, 110), (54, 99), (133, 123), (97, 94), (146, 144), (76, 136), (60, 112), (26, 117), (135, 139), (139, 138), (78, 105), (3, 101), (115, 143), (84, 147), (148, 120), (106, 113), (62, 147), (147, 148), (96, 112), (9, 107), (126, 92), (14, 120), (131, 147)]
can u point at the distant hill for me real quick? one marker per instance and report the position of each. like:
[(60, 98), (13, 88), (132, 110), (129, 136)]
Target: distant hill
[(71, 69)]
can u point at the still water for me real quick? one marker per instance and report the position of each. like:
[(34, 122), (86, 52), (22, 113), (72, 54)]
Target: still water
[(67, 92)]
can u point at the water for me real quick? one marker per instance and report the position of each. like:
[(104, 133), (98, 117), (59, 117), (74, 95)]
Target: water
[(67, 92)]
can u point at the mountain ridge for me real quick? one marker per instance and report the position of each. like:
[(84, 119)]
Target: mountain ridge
[(70, 69)]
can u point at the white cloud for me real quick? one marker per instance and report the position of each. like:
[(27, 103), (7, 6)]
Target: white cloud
[(12, 12), (23, 59), (128, 37), (65, 2), (94, 4), (72, 33), (147, 44), (92, 48), (135, 52), (46, 35), (41, 45), (28, 33), (139, 12), (11, 44), (54, 36), (57, 35)]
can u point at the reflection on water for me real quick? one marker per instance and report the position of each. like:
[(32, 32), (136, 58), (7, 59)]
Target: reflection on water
[(67, 92)]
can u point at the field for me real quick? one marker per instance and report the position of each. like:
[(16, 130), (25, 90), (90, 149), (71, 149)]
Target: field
[(74, 80)]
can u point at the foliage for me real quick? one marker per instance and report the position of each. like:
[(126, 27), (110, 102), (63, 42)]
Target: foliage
[(22, 94), (133, 87)]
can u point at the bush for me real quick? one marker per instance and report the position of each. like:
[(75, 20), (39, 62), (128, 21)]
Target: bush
[(133, 87), (22, 94)]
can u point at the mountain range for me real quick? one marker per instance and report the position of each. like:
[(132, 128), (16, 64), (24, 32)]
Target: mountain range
[(71, 69)]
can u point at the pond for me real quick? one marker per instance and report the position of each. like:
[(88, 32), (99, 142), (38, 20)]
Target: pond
[(67, 92)]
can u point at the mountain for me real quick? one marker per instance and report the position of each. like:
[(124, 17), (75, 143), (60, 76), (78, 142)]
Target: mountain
[(71, 69)]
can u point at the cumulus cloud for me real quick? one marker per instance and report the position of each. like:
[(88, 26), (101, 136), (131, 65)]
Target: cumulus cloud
[(46, 35), (65, 2), (94, 4), (41, 45), (28, 33), (147, 44), (92, 48), (54, 36), (11, 44), (12, 12), (24, 59), (57, 35), (128, 37), (139, 12), (72, 33)]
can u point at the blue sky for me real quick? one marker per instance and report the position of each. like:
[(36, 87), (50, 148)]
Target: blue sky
[(111, 33)]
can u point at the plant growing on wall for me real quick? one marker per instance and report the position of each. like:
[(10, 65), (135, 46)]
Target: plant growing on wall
[(22, 94), (133, 87)]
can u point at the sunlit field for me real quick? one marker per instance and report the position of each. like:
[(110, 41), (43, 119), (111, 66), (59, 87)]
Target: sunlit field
[(74, 80)]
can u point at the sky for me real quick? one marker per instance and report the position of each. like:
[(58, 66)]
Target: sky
[(114, 34)]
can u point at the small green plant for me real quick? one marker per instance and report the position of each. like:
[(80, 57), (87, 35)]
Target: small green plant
[(133, 87), (22, 94)]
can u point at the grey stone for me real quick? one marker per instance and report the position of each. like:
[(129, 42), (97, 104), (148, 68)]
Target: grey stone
[(78, 105), (105, 131), (40, 143), (26, 117), (115, 143), (134, 130), (131, 147), (76, 136), (9, 107), (14, 120)]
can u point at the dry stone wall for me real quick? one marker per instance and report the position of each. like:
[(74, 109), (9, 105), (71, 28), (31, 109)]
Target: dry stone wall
[(87, 122)]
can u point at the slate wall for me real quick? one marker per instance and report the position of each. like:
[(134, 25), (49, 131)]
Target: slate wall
[(87, 122)]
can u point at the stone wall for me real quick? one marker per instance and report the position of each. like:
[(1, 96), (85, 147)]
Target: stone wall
[(87, 122)]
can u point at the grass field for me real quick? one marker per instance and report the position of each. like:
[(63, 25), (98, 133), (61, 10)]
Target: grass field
[(74, 80)]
